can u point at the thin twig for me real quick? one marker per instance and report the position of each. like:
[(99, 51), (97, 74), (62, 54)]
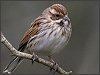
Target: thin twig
[(29, 56)]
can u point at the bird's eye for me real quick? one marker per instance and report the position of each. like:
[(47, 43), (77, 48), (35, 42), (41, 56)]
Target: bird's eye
[(57, 15)]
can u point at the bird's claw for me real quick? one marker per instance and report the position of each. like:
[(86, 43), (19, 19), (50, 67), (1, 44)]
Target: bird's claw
[(34, 57), (54, 67)]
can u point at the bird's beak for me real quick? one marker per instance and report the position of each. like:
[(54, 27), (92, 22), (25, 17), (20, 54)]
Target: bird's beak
[(66, 18)]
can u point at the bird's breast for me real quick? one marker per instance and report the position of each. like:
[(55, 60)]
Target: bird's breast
[(48, 42)]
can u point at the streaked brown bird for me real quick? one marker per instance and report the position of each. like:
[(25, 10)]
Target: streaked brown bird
[(47, 35)]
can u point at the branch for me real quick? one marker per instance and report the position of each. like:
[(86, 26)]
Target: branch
[(29, 56)]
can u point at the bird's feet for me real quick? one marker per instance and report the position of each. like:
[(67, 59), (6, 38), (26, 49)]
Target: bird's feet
[(34, 57), (54, 67)]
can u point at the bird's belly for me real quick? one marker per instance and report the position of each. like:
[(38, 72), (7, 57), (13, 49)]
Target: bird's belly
[(48, 45)]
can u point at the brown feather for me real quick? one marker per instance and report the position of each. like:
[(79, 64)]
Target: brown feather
[(33, 30), (59, 8)]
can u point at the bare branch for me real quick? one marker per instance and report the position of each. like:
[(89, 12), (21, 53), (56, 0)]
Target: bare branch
[(29, 56)]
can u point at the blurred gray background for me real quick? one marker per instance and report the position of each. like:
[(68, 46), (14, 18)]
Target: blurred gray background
[(82, 52)]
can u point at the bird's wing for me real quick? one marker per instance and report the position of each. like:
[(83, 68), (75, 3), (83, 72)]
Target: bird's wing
[(33, 30)]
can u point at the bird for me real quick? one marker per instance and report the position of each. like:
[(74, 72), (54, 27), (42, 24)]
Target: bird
[(46, 36)]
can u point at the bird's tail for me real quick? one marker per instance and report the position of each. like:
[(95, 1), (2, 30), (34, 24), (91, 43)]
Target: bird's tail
[(12, 65)]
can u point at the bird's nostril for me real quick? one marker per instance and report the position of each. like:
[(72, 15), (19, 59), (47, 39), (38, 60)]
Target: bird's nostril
[(65, 19)]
